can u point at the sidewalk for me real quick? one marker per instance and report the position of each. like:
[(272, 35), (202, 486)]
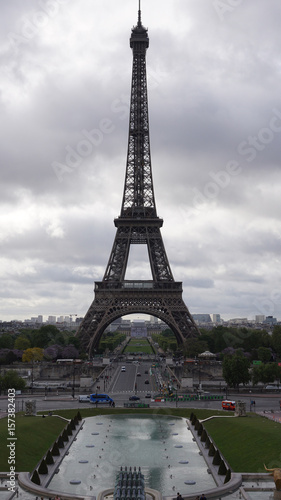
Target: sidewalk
[(272, 415)]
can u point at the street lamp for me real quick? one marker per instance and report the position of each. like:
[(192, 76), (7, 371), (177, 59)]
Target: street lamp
[(32, 379), (73, 382)]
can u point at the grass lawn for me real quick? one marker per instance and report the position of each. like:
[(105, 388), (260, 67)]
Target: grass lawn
[(246, 443), (34, 437), (139, 345)]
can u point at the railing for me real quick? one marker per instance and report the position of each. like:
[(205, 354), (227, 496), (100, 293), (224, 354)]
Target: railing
[(139, 285)]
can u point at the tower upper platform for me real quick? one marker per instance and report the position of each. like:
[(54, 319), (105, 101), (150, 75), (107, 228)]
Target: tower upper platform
[(139, 33)]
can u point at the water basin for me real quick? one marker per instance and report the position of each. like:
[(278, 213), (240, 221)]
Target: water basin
[(161, 445)]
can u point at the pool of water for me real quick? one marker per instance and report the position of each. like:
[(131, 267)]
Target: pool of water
[(161, 446)]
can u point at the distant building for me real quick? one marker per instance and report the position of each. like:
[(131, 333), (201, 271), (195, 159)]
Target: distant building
[(52, 320), (153, 319), (202, 318), (216, 318), (269, 320), (139, 329), (238, 321), (260, 318)]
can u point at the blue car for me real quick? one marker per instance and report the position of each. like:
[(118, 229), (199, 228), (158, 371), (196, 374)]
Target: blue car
[(134, 398)]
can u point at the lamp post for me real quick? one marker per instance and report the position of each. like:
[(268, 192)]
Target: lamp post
[(32, 379), (73, 382)]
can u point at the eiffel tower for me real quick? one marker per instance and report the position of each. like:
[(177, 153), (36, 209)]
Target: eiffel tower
[(138, 224)]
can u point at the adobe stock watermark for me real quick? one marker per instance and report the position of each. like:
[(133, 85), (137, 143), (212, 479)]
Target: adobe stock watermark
[(92, 139), (267, 306), (249, 148), (11, 440), (37, 20), (223, 7)]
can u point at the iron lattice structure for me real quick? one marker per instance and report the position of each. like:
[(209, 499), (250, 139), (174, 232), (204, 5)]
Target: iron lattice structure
[(137, 224)]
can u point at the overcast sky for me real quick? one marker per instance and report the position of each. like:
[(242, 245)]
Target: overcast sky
[(214, 70)]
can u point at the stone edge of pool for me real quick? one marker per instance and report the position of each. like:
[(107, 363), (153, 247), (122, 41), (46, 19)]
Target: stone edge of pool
[(222, 489)]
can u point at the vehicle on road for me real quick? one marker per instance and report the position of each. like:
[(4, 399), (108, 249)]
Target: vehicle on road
[(123, 369), (134, 398), (84, 399), (138, 374), (228, 405), (101, 398), (148, 395)]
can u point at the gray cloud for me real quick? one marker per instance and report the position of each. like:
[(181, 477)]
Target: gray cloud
[(214, 99)]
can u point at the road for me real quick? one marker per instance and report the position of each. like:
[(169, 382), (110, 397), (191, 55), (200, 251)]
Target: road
[(140, 379), (51, 403)]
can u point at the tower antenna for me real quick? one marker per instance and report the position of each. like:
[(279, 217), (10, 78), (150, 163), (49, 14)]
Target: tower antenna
[(139, 16)]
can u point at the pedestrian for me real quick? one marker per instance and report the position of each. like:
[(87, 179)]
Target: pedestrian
[(179, 497), (203, 497)]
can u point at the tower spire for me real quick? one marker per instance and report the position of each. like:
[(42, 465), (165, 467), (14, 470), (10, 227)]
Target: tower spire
[(139, 14)]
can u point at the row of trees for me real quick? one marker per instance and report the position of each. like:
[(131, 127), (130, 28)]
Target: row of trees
[(166, 340), (259, 344), (237, 369), (43, 337), (110, 341)]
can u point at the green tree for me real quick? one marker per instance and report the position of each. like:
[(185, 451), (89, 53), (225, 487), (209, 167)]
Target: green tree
[(22, 343), (264, 354), (6, 341), (266, 373), (235, 369), (276, 340), (11, 380), (193, 347), (73, 341)]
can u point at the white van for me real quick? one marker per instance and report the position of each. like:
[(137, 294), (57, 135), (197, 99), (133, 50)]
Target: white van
[(123, 369), (84, 399)]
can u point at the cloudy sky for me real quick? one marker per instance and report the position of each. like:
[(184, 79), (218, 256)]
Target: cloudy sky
[(214, 70)]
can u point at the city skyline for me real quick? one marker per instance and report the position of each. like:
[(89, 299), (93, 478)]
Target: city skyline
[(215, 123)]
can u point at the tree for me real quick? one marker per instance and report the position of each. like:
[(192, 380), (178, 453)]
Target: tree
[(235, 369), (32, 354), (69, 352), (193, 347), (6, 341), (22, 343), (276, 340), (266, 373), (74, 341), (11, 380), (52, 352), (10, 358), (264, 354)]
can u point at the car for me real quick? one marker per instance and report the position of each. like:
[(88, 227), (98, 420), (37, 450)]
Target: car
[(146, 372), (134, 398), (138, 374), (148, 395), (84, 399), (146, 381), (123, 369)]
